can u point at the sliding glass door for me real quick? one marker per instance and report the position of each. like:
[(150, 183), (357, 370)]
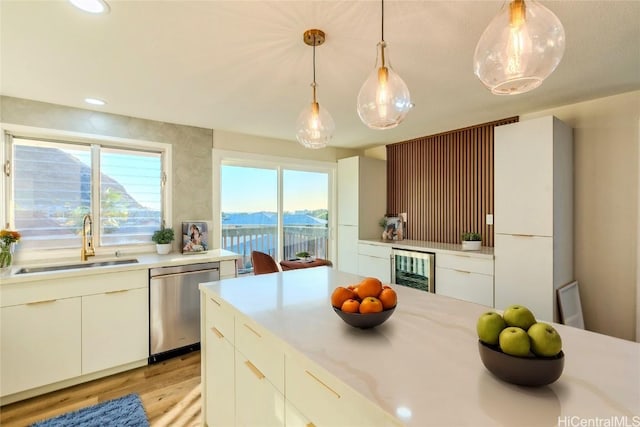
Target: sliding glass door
[(272, 207)]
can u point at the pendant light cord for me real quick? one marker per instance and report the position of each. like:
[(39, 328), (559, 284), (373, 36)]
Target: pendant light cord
[(382, 25), (314, 69)]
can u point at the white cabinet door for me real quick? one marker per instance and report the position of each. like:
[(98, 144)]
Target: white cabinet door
[(219, 379), (115, 329), (228, 269), (348, 248), (523, 177), (258, 402), (379, 268), (524, 274), (348, 191), (294, 418), (40, 344), (465, 285)]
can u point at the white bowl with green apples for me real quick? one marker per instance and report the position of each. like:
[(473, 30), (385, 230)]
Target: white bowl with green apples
[(516, 348)]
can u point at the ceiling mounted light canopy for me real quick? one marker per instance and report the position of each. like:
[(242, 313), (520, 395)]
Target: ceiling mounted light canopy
[(520, 48), (91, 6), (315, 125), (384, 99)]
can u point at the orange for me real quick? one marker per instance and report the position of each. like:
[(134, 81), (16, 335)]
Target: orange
[(388, 298), (340, 295), (386, 287), (369, 287), (370, 305), (350, 306)]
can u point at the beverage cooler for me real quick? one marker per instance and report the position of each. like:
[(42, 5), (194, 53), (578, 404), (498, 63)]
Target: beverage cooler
[(414, 269)]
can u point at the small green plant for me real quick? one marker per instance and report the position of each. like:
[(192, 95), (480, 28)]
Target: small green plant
[(471, 237), (303, 255), (383, 222), (163, 236)]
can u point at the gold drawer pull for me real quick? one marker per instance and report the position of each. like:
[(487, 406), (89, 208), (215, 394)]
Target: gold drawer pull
[(214, 301), (462, 256), (255, 370), (117, 292), (321, 382), (217, 332), (42, 302), (311, 425), (252, 330), (462, 271), (523, 235)]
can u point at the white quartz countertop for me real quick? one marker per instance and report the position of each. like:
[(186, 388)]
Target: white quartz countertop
[(145, 260), (435, 247), (422, 365)]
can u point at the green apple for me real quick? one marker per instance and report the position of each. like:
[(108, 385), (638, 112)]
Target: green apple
[(514, 341), (519, 316), (489, 326), (545, 340)]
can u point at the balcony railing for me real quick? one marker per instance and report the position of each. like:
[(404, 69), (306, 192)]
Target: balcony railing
[(297, 238)]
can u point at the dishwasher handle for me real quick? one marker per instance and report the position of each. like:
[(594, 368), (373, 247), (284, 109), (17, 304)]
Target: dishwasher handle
[(184, 274)]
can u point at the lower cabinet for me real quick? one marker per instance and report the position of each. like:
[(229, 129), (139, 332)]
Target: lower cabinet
[(258, 402), (465, 277), (115, 328), (40, 343), (375, 261), (294, 418), (220, 384)]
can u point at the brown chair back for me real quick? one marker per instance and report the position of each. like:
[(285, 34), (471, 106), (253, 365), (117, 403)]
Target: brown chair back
[(263, 263)]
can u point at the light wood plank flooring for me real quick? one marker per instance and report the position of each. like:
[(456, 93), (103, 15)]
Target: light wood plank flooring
[(170, 392)]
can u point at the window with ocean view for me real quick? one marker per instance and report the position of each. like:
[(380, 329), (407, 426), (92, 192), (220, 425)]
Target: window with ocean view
[(251, 219)]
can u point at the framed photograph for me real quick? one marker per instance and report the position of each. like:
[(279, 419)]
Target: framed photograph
[(195, 237), (394, 228), (569, 305)]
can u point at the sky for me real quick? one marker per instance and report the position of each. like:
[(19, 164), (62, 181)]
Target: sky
[(246, 189)]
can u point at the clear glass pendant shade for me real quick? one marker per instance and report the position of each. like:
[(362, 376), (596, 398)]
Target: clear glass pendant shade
[(384, 99), (521, 47), (314, 127)]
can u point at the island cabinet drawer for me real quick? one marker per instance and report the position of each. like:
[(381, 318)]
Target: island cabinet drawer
[(466, 263), (324, 400), (377, 251), (262, 350), (219, 317), (465, 285)]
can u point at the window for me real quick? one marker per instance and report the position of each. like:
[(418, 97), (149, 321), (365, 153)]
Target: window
[(55, 182), (274, 205)]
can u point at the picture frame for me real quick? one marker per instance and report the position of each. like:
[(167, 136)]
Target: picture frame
[(195, 237), (569, 305), (394, 228)]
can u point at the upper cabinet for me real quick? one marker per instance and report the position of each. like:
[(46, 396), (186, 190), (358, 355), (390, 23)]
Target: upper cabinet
[(533, 177)]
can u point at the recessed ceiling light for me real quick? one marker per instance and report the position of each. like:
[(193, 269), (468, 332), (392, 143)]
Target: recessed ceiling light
[(95, 101), (91, 6)]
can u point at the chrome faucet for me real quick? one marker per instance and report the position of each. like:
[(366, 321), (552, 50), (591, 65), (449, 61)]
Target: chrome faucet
[(87, 243)]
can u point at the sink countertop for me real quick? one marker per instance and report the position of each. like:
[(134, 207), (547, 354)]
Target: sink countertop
[(426, 246), (422, 365), (145, 261)]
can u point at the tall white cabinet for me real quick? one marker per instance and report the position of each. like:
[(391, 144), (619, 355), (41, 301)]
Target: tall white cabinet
[(533, 214), (362, 201)]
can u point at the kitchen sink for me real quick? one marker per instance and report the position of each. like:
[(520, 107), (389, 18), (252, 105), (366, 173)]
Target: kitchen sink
[(49, 268)]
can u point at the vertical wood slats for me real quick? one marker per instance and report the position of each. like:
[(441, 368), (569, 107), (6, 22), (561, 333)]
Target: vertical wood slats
[(444, 183)]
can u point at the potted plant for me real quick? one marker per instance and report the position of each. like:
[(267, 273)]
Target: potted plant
[(471, 241), (163, 239)]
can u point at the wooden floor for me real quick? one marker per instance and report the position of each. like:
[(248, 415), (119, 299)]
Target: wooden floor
[(170, 392)]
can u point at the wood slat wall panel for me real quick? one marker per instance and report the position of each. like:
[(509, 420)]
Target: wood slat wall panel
[(444, 183)]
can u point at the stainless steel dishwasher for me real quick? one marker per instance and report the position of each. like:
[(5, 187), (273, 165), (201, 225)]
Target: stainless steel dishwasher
[(174, 308)]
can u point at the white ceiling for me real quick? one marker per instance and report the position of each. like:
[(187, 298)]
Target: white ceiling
[(242, 66)]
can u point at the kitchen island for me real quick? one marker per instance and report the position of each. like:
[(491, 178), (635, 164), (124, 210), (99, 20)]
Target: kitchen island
[(421, 367)]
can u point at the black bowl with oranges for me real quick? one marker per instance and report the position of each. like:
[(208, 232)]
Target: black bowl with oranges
[(366, 304)]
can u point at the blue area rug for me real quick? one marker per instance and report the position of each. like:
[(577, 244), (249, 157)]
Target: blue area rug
[(123, 411)]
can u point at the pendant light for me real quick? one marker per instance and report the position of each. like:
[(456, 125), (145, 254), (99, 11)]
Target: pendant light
[(383, 100), (520, 48), (315, 125)]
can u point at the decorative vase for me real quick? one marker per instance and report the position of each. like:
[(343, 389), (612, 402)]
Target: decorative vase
[(6, 257), (163, 248)]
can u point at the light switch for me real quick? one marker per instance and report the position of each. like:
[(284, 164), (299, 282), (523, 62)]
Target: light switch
[(489, 219)]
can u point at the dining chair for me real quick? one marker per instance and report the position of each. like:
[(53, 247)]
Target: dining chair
[(263, 263)]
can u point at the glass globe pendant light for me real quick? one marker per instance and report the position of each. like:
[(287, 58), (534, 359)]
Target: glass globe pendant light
[(520, 48), (384, 99), (315, 125)]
